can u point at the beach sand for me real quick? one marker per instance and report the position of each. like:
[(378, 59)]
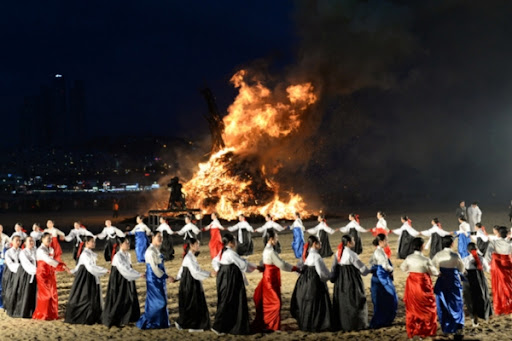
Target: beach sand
[(498, 328)]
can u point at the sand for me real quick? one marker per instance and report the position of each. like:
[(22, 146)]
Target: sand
[(497, 328)]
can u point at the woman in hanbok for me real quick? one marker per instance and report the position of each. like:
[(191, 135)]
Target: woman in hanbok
[(298, 236), (232, 316), (349, 307), (26, 281), (436, 233), (192, 307), (167, 249), (353, 228), (47, 303), (112, 234), (122, 302), (476, 291), (322, 232), (245, 246), (311, 305), (382, 228), (215, 244), (464, 237), (56, 236), (406, 235), (5, 242), (481, 239), (21, 232), (270, 224), (141, 232), (85, 299), (385, 300), (76, 235), (448, 288), (267, 295), (189, 230), (499, 251), (419, 298), (156, 315), (36, 234), (12, 262)]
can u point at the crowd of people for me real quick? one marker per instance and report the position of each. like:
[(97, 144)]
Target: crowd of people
[(29, 288)]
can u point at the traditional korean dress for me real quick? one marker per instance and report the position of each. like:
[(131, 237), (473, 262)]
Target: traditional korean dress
[(47, 304), (111, 233), (37, 235), (76, 236), (215, 243), (26, 284), (55, 245), (122, 302), (245, 246), (85, 299), (267, 295), (476, 291), (5, 241), (353, 229), (323, 231), (232, 315), (311, 305), (481, 240), (436, 234), (12, 262), (499, 251), (267, 226), (156, 315), (448, 290), (385, 300), (382, 228), (167, 248), (349, 307), (464, 239), (298, 238), (21, 234), (406, 234), (141, 231), (193, 310), (419, 298)]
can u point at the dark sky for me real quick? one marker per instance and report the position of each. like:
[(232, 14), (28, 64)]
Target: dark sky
[(143, 62)]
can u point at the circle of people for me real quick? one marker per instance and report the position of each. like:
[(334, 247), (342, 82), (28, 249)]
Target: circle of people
[(29, 288)]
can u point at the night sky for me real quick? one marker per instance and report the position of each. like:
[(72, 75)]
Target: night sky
[(415, 96)]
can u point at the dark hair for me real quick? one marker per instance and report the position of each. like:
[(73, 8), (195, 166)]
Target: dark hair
[(155, 234), (471, 247), (475, 203), (16, 236), (462, 218), (20, 224), (122, 239), (379, 238), (311, 240), (462, 201), (346, 238), (271, 233), (46, 234), (321, 216), (382, 214), (503, 231), (478, 224), (417, 243), (447, 241), (140, 216), (227, 238), (405, 217), (353, 215), (297, 214), (88, 238), (37, 224), (435, 220), (186, 247), (269, 216)]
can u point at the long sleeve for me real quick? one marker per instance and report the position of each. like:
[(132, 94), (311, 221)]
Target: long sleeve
[(70, 236), (270, 257), (380, 258), (191, 263), (102, 234), (234, 227), (118, 232), (43, 254), (12, 259), (59, 232), (314, 230), (88, 259), (153, 259), (28, 264), (298, 224), (321, 269), (215, 224), (123, 264), (216, 263), (166, 228)]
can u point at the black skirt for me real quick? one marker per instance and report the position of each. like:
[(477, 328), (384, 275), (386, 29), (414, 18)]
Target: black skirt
[(8, 290), (84, 304), (476, 294), (481, 245), (232, 311), (349, 308), (167, 249), (436, 244), (310, 304), (405, 248), (121, 303), (358, 247), (25, 294), (192, 306), (326, 250), (109, 247), (277, 247), (245, 248), (75, 249)]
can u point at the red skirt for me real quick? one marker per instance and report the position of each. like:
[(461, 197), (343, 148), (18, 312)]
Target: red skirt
[(47, 304), (215, 242), (267, 299), (420, 306), (57, 251), (379, 230), (501, 274)]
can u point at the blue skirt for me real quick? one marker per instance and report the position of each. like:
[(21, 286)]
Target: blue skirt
[(156, 315), (141, 244), (463, 245), (450, 306), (298, 242), (385, 300)]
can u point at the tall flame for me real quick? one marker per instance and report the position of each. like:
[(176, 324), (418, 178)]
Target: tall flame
[(232, 181)]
